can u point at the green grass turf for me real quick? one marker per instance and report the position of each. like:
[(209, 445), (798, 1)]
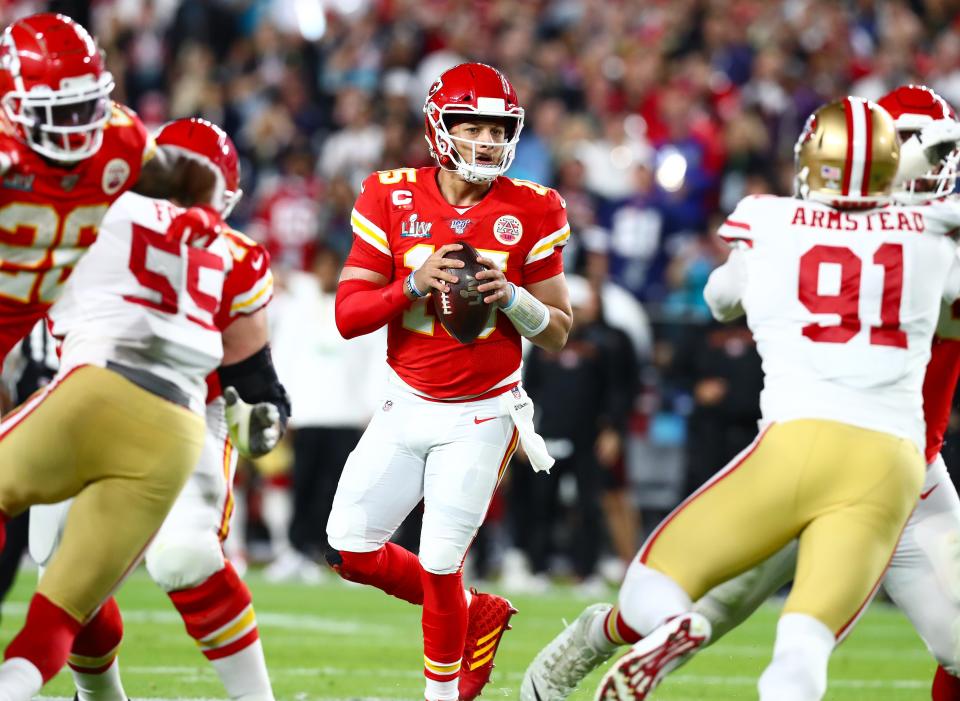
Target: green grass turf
[(336, 642)]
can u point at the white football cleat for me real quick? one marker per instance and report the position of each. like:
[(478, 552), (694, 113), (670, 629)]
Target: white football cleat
[(640, 671), (559, 667)]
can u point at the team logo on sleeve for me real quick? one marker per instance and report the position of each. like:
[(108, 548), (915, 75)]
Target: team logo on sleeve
[(507, 229), (115, 174)]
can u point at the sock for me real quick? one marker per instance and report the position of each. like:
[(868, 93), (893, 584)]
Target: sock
[(391, 569), (20, 679), (93, 657), (610, 632), (798, 671), (46, 637), (444, 633), (648, 598), (218, 614), (946, 687)]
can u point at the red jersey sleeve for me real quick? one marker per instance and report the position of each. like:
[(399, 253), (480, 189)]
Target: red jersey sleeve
[(248, 287), (133, 134), (544, 259), (369, 221)]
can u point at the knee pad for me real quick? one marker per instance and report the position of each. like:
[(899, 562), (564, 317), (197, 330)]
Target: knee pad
[(181, 563), (441, 558)]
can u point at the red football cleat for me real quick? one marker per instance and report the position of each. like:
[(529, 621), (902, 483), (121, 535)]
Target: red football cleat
[(489, 618)]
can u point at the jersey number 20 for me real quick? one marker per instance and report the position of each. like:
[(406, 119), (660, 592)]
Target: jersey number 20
[(846, 302)]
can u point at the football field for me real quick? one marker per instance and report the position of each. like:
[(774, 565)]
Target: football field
[(337, 642)]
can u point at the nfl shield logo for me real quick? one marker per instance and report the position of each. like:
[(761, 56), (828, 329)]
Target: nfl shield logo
[(515, 391)]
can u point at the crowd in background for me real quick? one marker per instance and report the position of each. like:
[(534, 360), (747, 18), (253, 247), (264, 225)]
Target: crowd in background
[(651, 117)]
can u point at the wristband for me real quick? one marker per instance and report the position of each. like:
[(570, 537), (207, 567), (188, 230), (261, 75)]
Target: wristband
[(513, 297), (528, 314), (412, 287)]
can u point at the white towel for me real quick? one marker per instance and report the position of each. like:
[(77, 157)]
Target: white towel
[(520, 407)]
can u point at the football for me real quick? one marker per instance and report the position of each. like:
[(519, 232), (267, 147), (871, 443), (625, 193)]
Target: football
[(462, 310)]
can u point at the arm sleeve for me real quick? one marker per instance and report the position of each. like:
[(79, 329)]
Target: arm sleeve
[(363, 306), (545, 259), (724, 290)]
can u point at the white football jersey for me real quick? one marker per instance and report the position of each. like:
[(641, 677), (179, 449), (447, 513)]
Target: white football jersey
[(141, 301), (842, 304)]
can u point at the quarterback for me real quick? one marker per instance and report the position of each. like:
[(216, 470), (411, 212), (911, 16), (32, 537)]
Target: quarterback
[(139, 324), (66, 153), (186, 557), (453, 413), (839, 462)]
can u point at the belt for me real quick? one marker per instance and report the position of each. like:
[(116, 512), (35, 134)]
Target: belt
[(144, 379)]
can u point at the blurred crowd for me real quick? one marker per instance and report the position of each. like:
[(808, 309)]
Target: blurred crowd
[(651, 117)]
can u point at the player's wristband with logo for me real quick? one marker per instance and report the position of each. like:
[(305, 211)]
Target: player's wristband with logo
[(528, 314), (412, 287)]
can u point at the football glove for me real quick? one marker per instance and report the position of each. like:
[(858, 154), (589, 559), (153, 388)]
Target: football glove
[(199, 226), (255, 429)]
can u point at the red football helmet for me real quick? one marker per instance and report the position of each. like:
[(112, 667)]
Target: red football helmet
[(208, 144), (55, 88), (912, 107), (464, 91)]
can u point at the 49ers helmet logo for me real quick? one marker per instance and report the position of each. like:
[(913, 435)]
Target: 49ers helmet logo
[(507, 229)]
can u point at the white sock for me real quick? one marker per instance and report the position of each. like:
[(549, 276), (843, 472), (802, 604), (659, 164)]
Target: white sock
[(648, 598), (597, 636), (105, 686), (798, 671), (20, 680), (442, 691), (244, 674)]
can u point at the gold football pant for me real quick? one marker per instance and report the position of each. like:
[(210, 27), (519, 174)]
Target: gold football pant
[(122, 452), (845, 492)]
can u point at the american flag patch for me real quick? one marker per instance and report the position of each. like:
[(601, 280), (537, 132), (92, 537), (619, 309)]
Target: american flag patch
[(830, 172)]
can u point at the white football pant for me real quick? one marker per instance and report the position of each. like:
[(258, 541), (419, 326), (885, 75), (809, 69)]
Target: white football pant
[(449, 454)]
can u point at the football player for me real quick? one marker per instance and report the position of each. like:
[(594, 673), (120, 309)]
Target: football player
[(453, 413), (842, 295), (186, 557), (121, 427), (66, 153)]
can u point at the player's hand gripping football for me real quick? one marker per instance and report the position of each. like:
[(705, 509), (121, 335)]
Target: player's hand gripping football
[(431, 275), (198, 226), (254, 428), (495, 287)]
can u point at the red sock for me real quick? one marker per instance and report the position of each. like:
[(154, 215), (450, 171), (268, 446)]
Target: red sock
[(218, 613), (391, 569), (45, 638), (617, 630), (96, 645), (444, 625), (946, 687)]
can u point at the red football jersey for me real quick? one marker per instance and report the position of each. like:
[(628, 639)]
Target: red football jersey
[(940, 382), (50, 215), (401, 218), (247, 289)]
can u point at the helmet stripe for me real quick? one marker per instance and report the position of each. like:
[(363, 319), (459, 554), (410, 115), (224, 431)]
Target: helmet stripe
[(856, 143), (848, 160), (868, 150)]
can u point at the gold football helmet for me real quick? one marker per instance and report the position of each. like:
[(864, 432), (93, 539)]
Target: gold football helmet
[(847, 154)]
